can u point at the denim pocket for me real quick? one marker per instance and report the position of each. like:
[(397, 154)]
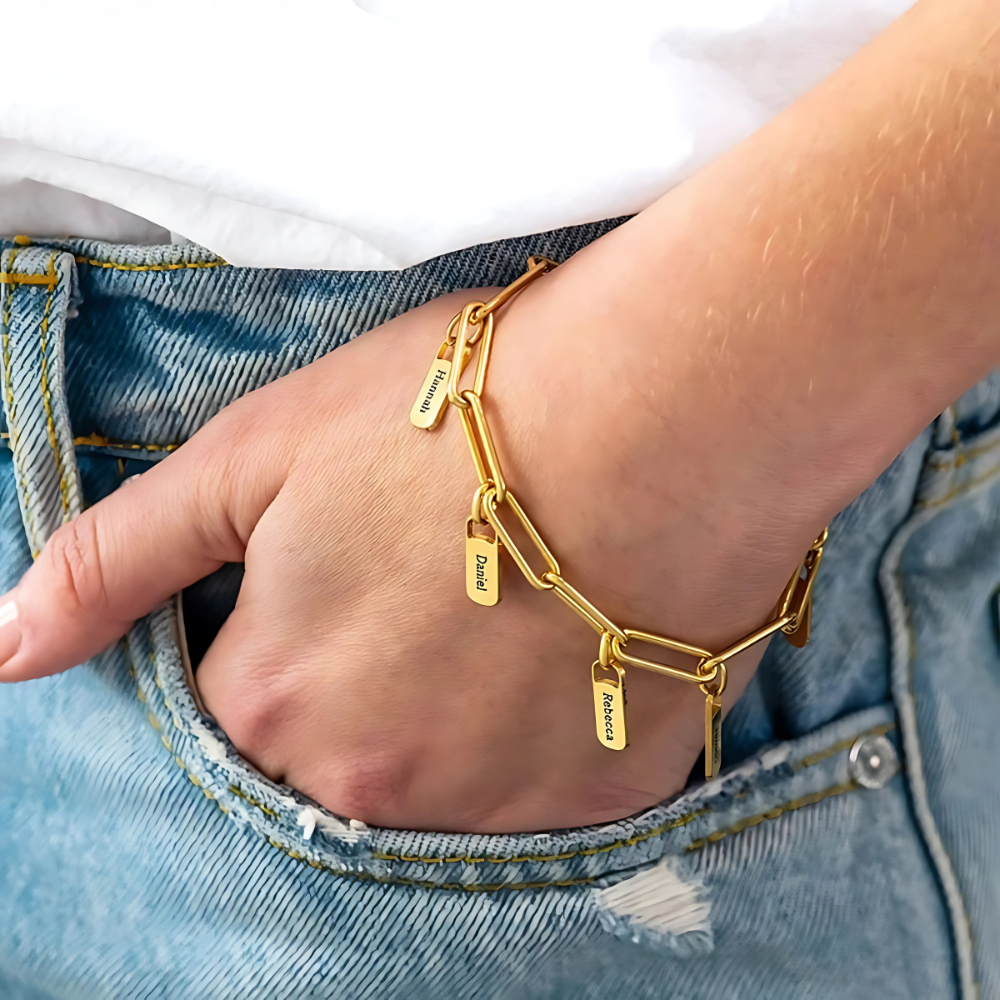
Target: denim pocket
[(782, 779), (791, 857), (939, 578)]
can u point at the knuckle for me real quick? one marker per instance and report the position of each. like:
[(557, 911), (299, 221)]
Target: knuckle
[(72, 559), (251, 724), (273, 725), (259, 713), (234, 467)]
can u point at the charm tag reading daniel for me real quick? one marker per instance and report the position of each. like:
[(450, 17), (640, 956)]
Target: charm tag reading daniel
[(482, 567), (428, 408), (609, 705)]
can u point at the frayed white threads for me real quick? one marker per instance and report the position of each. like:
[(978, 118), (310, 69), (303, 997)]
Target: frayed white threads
[(659, 903), (312, 819)]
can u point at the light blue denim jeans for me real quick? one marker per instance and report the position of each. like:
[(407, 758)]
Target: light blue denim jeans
[(849, 849)]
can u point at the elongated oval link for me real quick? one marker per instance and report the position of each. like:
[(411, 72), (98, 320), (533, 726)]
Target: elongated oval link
[(619, 653), (595, 618), (464, 341), (477, 458), (487, 449), (789, 592), (792, 598), (749, 640), (452, 334), (799, 589), (490, 511), (661, 640), (803, 590), (537, 266), (452, 331), (477, 503), (483, 361)]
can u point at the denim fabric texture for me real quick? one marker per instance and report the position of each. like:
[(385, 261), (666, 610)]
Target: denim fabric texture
[(142, 857)]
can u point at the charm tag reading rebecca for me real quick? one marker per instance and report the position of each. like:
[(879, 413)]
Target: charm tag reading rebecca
[(482, 567), (609, 705), (428, 408)]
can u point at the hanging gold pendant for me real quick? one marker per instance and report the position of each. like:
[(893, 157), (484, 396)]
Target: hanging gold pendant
[(609, 705), (713, 735), (428, 408), (482, 567)]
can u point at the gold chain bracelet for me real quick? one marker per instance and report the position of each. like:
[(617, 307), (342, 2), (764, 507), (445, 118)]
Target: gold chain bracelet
[(474, 326)]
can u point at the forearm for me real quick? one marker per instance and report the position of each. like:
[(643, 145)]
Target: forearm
[(797, 313), (843, 263)]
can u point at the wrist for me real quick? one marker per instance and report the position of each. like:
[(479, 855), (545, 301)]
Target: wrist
[(664, 497)]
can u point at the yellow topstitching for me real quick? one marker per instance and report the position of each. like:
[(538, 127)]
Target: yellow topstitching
[(95, 440), (587, 852), (112, 265), (99, 441), (50, 422), (961, 455), (9, 278), (815, 758), (12, 410), (958, 490), (806, 800)]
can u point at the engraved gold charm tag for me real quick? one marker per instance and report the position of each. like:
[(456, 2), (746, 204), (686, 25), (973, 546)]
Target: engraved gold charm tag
[(482, 567), (713, 735), (432, 399), (609, 705)]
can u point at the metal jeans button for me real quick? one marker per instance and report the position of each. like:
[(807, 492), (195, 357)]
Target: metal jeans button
[(873, 761)]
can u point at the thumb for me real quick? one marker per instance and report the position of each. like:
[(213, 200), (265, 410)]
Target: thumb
[(125, 555)]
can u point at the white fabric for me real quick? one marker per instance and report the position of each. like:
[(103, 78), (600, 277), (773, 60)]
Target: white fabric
[(379, 133)]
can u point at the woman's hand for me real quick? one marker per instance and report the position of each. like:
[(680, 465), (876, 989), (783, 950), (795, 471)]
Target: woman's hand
[(354, 667)]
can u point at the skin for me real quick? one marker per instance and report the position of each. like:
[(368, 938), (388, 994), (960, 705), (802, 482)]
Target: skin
[(681, 408)]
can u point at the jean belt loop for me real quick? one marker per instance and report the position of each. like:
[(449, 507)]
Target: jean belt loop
[(36, 290)]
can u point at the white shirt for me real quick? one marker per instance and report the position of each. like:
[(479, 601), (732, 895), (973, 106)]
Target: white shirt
[(380, 133)]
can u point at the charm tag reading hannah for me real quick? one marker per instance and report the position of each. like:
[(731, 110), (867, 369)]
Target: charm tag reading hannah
[(428, 408), (609, 705)]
